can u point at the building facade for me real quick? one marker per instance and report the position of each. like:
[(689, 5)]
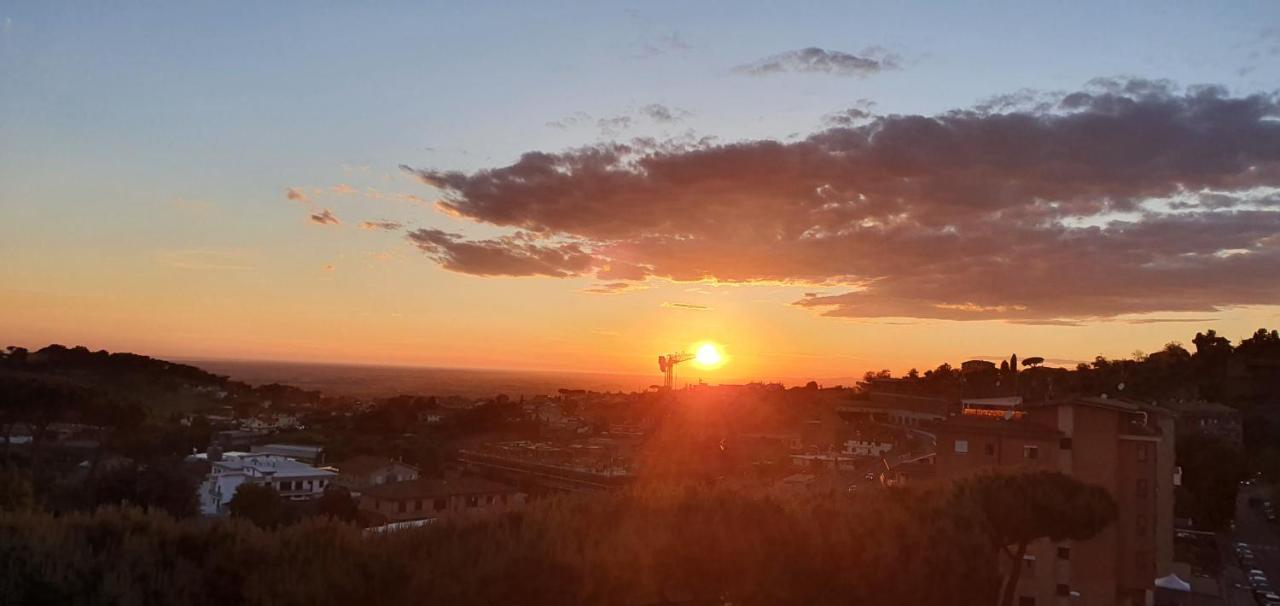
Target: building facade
[(358, 473), (1123, 446), (424, 499), (294, 480)]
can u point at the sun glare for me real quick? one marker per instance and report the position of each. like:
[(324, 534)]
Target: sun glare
[(708, 355)]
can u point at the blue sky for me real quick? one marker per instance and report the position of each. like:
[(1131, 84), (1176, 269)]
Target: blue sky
[(133, 134)]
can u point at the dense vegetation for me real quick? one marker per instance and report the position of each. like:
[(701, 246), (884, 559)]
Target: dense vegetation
[(1244, 376), (686, 544)]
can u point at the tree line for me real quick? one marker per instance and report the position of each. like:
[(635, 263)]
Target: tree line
[(658, 544)]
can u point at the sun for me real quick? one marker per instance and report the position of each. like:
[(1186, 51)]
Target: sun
[(708, 355)]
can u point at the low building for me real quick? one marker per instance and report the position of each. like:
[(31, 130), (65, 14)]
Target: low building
[(898, 409), (1199, 417), (358, 473), (436, 498), (237, 439), (298, 452), (294, 480)]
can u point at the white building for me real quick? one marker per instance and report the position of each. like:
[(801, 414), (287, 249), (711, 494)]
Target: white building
[(292, 479)]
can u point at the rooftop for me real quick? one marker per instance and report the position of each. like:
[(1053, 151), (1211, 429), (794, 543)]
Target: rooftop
[(1199, 407), (434, 487), (366, 464), (996, 426), (269, 464)]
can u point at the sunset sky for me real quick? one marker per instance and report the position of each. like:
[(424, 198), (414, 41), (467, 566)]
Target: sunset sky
[(823, 188)]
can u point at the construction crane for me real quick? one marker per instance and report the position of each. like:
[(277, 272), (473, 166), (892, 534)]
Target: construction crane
[(667, 364)]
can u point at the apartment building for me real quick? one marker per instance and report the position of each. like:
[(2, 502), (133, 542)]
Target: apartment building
[(1124, 446)]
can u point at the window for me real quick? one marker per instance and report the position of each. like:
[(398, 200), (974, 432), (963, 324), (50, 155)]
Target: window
[(488, 500), (989, 449), (962, 447), (1142, 488), (1063, 590), (473, 501), (401, 506), (1064, 443), (1030, 452), (1029, 565), (504, 499), (1026, 601), (417, 505), (1140, 525), (440, 504), (1064, 553), (1142, 452)]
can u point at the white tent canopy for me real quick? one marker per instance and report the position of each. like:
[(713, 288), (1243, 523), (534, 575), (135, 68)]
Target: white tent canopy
[(1173, 582)]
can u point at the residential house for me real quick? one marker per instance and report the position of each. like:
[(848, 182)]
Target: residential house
[(436, 498), (294, 480), (363, 471)]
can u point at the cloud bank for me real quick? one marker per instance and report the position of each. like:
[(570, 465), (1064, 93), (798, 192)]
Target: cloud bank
[(1129, 196)]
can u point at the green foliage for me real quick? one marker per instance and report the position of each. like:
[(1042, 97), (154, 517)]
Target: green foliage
[(259, 504), (16, 493), (1018, 508), (1211, 473), (642, 546), (337, 503), (164, 486)]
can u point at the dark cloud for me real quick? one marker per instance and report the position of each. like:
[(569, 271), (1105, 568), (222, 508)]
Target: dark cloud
[(822, 61), (325, 217), (383, 225), (1046, 214), (515, 255)]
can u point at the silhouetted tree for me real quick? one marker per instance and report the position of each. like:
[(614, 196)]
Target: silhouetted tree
[(1019, 508), (337, 503), (258, 503), (1211, 473)]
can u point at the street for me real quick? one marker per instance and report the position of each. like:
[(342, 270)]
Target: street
[(1252, 529)]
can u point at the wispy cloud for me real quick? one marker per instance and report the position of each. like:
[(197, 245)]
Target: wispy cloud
[(686, 306), (382, 225), (296, 194), (663, 114), (662, 44), (814, 60), (325, 217), (613, 288), (1170, 320)]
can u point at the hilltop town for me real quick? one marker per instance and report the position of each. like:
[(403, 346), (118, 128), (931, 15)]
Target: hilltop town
[(1176, 438)]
